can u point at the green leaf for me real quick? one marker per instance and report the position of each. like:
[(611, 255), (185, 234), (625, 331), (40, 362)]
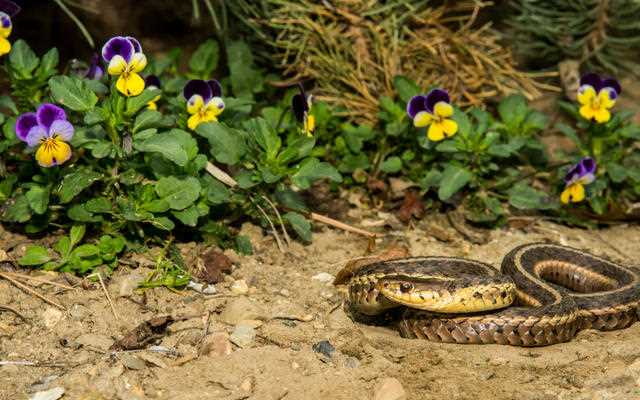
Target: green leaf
[(48, 63), (245, 78), (430, 179), (63, 246), (98, 205), (22, 59), (17, 210), (175, 145), (76, 234), (205, 59), (298, 148), (217, 192), (227, 145), (405, 87), (299, 224), (243, 244), (355, 136), (85, 250), (135, 104), (391, 165), (513, 110), (76, 182), (95, 116), (34, 255), (163, 223), (6, 187), (311, 170), (453, 179), (180, 193), (631, 131), (110, 246), (147, 119), (535, 121), (464, 123), (524, 197), (79, 213), (38, 197), (73, 93), (188, 216), (570, 133), (617, 172), (265, 136)]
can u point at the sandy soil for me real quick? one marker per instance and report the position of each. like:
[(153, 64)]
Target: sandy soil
[(291, 312)]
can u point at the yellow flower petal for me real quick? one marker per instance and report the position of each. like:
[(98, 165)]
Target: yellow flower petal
[(138, 62), (602, 115), (152, 105), (117, 65), (436, 132), (587, 112), (572, 193), (5, 46), (422, 119), (604, 99), (5, 32), (53, 152), (442, 109), (450, 127), (194, 121), (310, 125), (586, 95), (195, 104), (130, 84)]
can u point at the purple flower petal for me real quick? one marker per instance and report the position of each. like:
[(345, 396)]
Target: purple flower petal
[(47, 113), (416, 104), (152, 81), (9, 7), (62, 129), (118, 46), (583, 171), (592, 80), (24, 124), (299, 106), (434, 97), (588, 165), (199, 87), (216, 88), (36, 134), (5, 20), (95, 70), (614, 85), (137, 47)]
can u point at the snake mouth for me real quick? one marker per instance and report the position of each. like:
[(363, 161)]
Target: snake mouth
[(446, 298)]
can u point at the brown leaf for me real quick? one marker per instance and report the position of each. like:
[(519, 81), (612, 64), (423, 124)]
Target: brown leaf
[(376, 185), (144, 334), (215, 265), (412, 206)]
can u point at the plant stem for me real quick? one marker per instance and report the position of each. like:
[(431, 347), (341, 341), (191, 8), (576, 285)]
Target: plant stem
[(78, 23)]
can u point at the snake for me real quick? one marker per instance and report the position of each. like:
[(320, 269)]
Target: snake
[(544, 294)]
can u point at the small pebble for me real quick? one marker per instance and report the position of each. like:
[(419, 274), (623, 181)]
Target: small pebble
[(498, 361), (390, 389), (132, 362), (324, 348), (51, 316), (351, 362), (217, 344), (247, 385), (323, 277), (243, 335), (3, 256), (285, 293), (51, 394), (240, 287), (201, 288)]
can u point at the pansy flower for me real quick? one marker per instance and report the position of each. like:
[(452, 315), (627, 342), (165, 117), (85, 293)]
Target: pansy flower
[(152, 82), (125, 58), (301, 105), (8, 10), (204, 101), (49, 130), (95, 71), (583, 173), (433, 110), (597, 96)]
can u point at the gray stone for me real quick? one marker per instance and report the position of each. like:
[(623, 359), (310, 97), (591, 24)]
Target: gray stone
[(243, 335)]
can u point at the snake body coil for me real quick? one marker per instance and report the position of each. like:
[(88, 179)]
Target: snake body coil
[(556, 291)]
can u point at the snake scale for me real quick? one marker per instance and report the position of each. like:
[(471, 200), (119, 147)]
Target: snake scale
[(544, 295)]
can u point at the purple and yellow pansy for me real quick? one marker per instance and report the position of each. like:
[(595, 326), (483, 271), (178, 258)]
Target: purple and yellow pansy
[(301, 105), (49, 130), (5, 30), (433, 110), (152, 82), (597, 96), (581, 174), (204, 101), (125, 59)]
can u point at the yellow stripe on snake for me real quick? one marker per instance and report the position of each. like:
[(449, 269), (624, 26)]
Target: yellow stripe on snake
[(545, 294)]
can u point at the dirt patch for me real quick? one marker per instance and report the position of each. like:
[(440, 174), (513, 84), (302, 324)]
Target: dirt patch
[(259, 343)]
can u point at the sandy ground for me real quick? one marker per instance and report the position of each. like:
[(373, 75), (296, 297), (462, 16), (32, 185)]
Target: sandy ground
[(291, 312)]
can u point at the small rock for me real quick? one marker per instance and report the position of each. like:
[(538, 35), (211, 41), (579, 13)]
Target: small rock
[(241, 309), (323, 277), (43, 383), (240, 287), (498, 361), (51, 394), (217, 344), (51, 316), (202, 287), (247, 385), (3, 256), (79, 312), (295, 365), (351, 362), (243, 335), (93, 340), (324, 348), (132, 362), (285, 293), (390, 389), (152, 359)]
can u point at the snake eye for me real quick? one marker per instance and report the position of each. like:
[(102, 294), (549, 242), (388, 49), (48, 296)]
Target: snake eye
[(406, 287)]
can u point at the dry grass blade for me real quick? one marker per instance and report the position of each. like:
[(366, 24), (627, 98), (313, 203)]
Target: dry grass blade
[(31, 291)]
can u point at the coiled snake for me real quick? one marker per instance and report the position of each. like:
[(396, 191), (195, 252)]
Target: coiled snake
[(555, 290)]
